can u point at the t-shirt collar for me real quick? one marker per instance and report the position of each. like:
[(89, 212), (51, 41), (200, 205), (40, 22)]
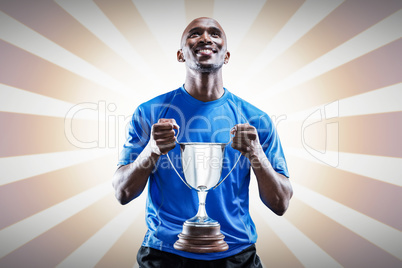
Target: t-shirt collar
[(193, 100)]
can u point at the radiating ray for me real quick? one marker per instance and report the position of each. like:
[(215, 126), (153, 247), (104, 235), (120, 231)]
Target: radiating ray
[(272, 17), (62, 239), (167, 30), (89, 253), (385, 237), (363, 194), (124, 250), (25, 38), (196, 9), (350, 18), (308, 16), (33, 165), (52, 187), (21, 101), (58, 26), (168, 34), (351, 134), (238, 27), (44, 134), (271, 249), (305, 250), (383, 100), (375, 70), (376, 36), (365, 165), (26, 71), (22, 232), (100, 25), (359, 134), (128, 20), (341, 243)]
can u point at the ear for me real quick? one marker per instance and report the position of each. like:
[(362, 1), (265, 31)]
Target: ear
[(227, 57), (180, 56)]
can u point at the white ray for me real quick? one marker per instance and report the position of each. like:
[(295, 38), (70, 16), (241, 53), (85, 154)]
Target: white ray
[(383, 100), (24, 231), (14, 100), (166, 21), (92, 17), (303, 248), (306, 17), (364, 165), (378, 233), (17, 168), (19, 35), (92, 251), (373, 38), (237, 22)]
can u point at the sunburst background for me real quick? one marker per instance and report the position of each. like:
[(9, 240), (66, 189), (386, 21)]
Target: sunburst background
[(327, 72)]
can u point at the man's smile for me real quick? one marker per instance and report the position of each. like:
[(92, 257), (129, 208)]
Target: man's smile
[(206, 51)]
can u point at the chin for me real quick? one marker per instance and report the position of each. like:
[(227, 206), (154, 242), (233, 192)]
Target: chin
[(208, 68)]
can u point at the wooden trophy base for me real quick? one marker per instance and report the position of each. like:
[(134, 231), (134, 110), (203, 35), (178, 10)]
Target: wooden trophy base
[(201, 239)]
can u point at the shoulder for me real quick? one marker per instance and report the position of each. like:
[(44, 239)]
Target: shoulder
[(157, 104), (254, 115), (162, 99)]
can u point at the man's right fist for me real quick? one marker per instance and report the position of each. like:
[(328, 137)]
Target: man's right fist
[(163, 137)]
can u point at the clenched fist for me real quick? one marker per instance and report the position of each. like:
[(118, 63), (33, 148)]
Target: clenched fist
[(246, 140), (163, 137)]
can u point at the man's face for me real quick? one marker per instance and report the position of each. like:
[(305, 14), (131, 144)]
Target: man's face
[(203, 46)]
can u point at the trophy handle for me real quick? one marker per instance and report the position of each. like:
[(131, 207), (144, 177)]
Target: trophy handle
[(237, 161), (178, 174), (170, 161)]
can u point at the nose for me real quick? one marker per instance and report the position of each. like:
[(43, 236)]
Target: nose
[(205, 38)]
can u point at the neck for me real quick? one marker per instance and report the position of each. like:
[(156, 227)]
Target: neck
[(204, 86)]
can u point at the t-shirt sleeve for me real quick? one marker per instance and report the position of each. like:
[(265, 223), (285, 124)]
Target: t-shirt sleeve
[(138, 131), (271, 145)]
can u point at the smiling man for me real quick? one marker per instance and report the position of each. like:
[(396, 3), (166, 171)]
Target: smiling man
[(204, 58), (205, 112)]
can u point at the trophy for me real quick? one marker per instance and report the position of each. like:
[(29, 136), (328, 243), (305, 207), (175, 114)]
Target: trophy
[(202, 168)]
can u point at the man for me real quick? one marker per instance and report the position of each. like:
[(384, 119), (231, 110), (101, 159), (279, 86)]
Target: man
[(205, 112)]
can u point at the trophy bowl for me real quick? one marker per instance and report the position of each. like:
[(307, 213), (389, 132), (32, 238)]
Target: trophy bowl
[(202, 169)]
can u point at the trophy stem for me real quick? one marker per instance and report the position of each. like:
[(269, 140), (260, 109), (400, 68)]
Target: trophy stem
[(202, 196), (202, 219)]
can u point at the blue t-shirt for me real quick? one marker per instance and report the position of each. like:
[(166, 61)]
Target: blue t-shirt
[(170, 202)]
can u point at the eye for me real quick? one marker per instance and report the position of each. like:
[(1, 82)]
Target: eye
[(194, 34), (215, 34)]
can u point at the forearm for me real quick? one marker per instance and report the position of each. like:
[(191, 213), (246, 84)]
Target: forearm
[(275, 189), (129, 180)]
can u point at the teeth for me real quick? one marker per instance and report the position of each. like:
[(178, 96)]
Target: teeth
[(205, 51)]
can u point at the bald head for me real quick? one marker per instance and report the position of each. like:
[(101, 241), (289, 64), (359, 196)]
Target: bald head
[(203, 22)]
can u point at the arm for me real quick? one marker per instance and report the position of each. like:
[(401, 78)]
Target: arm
[(275, 189), (129, 180)]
